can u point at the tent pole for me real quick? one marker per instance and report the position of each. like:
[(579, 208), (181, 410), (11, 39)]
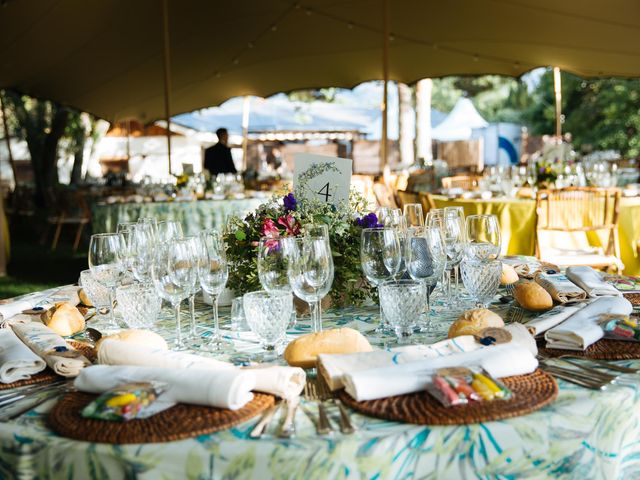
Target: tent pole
[(246, 110), (167, 76), (557, 89), (424, 88), (385, 74), (7, 139)]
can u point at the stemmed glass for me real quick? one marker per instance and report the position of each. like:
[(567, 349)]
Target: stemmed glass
[(426, 259), (483, 237), (152, 224), (273, 264), (173, 274), (199, 260), (213, 274), (106, 264), (380, 257), (413, 214), (168, 230), (311, 272), (142, 249)]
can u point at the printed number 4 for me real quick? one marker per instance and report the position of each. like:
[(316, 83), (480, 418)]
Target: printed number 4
[(324, 191)]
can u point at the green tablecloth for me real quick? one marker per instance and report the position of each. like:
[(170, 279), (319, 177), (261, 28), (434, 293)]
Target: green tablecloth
[(517, 222), (583, 435), (194, 215)]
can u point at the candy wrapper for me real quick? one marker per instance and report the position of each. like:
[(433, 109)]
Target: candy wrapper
[(462, 385), (125, 402), (620, 327)]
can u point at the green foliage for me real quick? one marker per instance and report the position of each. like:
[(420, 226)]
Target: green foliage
[(243, 234)]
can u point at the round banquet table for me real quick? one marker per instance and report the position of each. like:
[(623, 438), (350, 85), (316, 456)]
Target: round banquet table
[(194, 215), (517, 223), (584, 434)]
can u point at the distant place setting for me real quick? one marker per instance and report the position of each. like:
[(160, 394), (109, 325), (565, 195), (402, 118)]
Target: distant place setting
[(380, 240)]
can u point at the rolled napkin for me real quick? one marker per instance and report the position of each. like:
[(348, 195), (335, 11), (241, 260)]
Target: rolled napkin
[(551, 318), (17, 361), (285, 382), (334, 368), (590, 281), (499, 361), (12, 309), (220, 388), (52, 348), (11, 312), (581, 329), (561, 289)]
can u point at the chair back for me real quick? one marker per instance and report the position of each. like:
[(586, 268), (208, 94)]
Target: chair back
[(384, 195), (407, 197), (426, 199), (579, 209)]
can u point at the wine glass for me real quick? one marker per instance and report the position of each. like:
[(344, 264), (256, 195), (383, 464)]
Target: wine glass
[(413, 214), (396, 219), (483, 237), (168, 230), (152, 223), (105, 263), (382, 213), (273, 264), (199, 259), (426, 259), (451, 223), (311, 273), (142, 249), (173, 275), (124, 226), (213, 274), (380, 257)]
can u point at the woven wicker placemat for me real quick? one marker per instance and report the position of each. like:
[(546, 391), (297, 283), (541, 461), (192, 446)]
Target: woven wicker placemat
[(601, 350), (634, 298), (42, 377), (86, 349), (177, 423), (531, 392)]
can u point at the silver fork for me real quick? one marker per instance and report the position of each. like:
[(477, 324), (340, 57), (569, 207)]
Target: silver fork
[(575, 376), (346, 427), (323, 427)]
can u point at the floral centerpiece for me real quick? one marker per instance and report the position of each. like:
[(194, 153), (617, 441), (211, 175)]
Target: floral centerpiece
[(286, 216)]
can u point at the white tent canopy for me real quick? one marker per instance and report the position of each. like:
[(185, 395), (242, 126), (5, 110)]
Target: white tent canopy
[(460, 123)]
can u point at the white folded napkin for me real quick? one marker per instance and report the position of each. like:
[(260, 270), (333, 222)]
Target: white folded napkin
[(561, 289), (285, 382), (581, 329), (553, 317), (11, 312), (591, 282), (52, 348), (499, 361), (335, 367), (11, 309), (220, 388), (17, 361)]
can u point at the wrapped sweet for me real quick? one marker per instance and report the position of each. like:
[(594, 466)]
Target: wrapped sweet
[(124, 402)]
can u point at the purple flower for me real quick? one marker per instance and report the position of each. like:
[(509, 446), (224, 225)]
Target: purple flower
[(290, 202), (369, 221)]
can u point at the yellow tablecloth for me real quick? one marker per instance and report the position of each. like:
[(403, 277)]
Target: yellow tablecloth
[(517, 221)]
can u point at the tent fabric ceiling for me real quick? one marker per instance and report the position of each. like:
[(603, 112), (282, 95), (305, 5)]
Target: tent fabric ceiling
[(106, 56)]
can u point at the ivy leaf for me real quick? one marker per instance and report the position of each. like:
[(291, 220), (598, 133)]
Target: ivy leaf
[(240, 235)]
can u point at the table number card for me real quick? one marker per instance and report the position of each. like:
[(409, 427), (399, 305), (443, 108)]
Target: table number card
[(318, 177)]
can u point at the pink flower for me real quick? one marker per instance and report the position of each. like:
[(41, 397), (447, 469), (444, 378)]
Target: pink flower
[(291, 226), (270, 229)]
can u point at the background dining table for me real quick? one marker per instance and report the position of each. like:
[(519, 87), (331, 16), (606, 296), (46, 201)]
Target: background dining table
[(518, 223), (583, 434)]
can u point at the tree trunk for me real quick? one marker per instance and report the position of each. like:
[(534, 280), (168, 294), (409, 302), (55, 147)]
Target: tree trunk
[(50, 148), (405, 111), (423, 119)]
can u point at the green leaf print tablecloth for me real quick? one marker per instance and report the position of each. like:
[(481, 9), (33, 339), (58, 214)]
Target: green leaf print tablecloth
[(194, 215), (583, 435)]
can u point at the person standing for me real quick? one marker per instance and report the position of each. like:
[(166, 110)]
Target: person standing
[(217, 159)]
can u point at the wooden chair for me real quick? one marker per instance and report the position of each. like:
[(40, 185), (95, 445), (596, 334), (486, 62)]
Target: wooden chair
[(407, 197), (384, 195), (579, 209), (426, 199), (466, 182), (67, 208)]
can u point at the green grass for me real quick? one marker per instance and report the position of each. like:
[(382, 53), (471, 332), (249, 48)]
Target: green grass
[(33, 266)]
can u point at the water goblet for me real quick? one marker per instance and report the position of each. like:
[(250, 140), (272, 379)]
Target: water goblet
[(402, 302), (173, 275), (213, 274), (139, 305), (268, 315), (481, 279), (97, 293), (106, 265)]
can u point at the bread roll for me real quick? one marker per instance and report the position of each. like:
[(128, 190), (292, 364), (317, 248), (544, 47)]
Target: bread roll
[(509, 275), (303, 351), (84, 298), (473, 322), (137, 337), (532, 296), (64, 319)]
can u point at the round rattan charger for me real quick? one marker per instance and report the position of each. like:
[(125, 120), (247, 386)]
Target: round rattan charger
[(530, 393)]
